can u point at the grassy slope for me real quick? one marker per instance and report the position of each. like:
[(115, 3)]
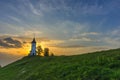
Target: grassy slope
[(103, 65)]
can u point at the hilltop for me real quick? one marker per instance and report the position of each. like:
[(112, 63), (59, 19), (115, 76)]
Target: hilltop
[(104, 65)]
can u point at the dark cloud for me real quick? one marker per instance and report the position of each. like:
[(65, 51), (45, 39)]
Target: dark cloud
[(10, 43)]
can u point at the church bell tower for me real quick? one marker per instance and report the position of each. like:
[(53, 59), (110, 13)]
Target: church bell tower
[(33, 48)]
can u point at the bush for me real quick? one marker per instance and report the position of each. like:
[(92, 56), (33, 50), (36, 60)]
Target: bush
[(46, 52)]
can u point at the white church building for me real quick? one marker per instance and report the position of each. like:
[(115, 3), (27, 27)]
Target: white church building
[(33, 48)]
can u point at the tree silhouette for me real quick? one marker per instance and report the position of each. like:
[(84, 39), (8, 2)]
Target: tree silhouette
[(39, 50), (52, 54), (46, 51)]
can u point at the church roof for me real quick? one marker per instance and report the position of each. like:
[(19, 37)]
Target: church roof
[(34, 41)]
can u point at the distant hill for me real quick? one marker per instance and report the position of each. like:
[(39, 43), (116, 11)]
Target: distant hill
[(104, 65)]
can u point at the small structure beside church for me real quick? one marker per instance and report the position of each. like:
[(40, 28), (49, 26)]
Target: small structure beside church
[(33, 51)]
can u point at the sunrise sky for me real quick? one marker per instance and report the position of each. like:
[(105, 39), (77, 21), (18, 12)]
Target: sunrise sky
[(67, 27)]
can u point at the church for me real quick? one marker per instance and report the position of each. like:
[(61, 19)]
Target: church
[(33, 51)]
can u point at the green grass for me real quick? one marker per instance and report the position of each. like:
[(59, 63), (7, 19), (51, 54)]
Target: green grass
[(104, 65)]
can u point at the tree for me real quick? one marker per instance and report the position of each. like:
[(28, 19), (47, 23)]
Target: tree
[(39, 50), (46, 51), (52, 54)]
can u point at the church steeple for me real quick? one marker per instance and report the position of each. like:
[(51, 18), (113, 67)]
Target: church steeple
[(34, 41), (33, 47)]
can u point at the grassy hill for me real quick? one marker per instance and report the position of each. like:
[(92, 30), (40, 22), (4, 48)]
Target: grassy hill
[(104, 65)]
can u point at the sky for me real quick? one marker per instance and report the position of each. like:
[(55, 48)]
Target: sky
[(66, 27)]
